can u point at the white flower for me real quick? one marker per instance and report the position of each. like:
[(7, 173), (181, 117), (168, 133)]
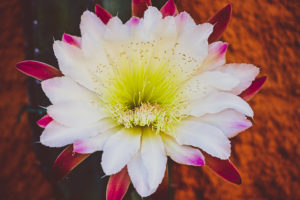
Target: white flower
[(144, 90)]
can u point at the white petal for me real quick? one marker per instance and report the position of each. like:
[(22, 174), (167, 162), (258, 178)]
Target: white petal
[(205, 83), (166, 34), (62, 89), (76, 113), (73, 64), (153, 156), (192, 48), (93, 48), (184, 22), (229, 122), (246, 73), (215, 57), (219, 101), (116, 37), (205, 137), (167, 27), (152, 17), (116, 30), (161, 32), (57, 135), (133, 22), (91, 25), (182, 154), (139, 176), (92, 30), (95, 143), (119, 149)]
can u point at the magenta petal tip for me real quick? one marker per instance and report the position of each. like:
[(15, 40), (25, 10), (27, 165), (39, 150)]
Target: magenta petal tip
[(256, 85), (66, 162), (169, 9), (220, 22), (44, 121), (72, 40), (133, 21), (224, 168), (224, 48), (117, 185), (38, 70), (102, 14)]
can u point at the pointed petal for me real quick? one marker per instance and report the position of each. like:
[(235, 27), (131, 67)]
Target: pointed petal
[(223, 168), (66, 162), (116, 32), (246, 73), (119, 149), (139, 176), (255, 86), (230, 122), (203, 84), (117, 185), (216, 56), (44, 121), (103, 14), (204, 136), (38, 70), (91, 26), (220, 22), (213, 104), (153, 156), (57, 135), (73, 64), (193, 46), (72, 40), (139, 7), (133, 22), (185, 22), (92, 144), (93, 48), (182, 154), (151, 21), (63, 89), (76, 113), (169, 9)]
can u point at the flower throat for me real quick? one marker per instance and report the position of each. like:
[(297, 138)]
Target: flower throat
[(144, 92)]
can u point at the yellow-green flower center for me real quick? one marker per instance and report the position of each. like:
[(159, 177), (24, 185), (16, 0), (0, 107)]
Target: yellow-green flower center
[(144, 91)]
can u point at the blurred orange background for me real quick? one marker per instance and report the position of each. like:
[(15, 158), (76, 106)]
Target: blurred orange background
[(262, 32)]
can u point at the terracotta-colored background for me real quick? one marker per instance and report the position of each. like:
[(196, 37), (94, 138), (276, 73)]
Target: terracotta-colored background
[(262, 32)]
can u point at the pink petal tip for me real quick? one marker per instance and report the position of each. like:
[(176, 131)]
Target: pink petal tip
[(199, 161), (220, 22), (66, 162), (169, 9), (117, 185), (72, 40), (44, 121), (139, 7), (223, 168), (133, 21), (103, 14), (254, 88), (38, 70), (223, 49)]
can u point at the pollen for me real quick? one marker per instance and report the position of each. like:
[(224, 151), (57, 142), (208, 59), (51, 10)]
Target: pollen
[(145, 115), (144, 88)]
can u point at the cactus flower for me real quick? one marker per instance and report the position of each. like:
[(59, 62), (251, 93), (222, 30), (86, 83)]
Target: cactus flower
[(154, 87)]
